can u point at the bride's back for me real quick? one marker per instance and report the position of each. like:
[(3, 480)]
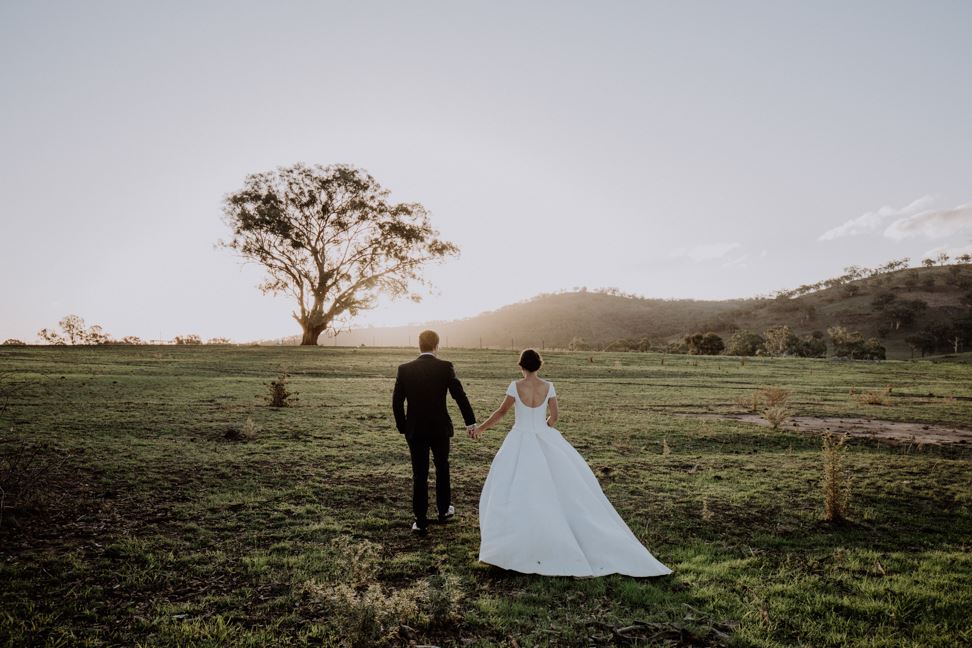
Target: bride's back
[(533, 392), (531, 416)]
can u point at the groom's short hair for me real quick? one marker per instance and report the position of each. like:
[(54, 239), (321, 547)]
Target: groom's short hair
[(428, 341)]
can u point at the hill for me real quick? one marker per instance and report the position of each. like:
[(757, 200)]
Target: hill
[(593, 318), (876, 306), (871, 304)]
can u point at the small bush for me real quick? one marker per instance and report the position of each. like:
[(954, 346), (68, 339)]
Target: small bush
[(776, 415), (836, 482), (279, 394), (13, 342)]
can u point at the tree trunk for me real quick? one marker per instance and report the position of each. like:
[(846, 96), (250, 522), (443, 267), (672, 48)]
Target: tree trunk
[(311, 333)]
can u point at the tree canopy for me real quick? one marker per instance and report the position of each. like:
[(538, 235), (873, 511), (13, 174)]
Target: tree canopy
[(331, 238)]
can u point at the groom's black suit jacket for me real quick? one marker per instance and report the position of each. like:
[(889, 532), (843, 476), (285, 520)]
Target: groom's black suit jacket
[(423, 384)]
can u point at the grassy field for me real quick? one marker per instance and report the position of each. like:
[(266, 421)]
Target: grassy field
[(148, 527)]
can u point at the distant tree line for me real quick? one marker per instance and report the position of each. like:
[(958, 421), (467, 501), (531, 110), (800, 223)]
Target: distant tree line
[(781, 341), (855, 272), (73, 331)]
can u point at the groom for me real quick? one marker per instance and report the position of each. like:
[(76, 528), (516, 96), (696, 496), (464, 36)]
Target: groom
[(423, 384)]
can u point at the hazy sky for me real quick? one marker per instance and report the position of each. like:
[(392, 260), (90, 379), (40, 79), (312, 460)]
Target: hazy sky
[(671, 149)]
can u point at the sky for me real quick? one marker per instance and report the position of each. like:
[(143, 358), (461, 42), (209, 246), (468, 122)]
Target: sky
[(670, 149)]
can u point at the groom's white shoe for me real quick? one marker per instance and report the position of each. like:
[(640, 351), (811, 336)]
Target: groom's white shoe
[(417, 530), (448, 515)]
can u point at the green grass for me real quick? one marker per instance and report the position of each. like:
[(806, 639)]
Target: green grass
[(157, 531)]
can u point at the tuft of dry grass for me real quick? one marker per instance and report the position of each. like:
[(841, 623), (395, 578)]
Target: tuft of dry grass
[(836, 481), (370, 614), (775, 396), (776, 415), (443, 598), (706, 511), (247, 432), (873, 398), (665, 449), (749, 402), (366, 616)]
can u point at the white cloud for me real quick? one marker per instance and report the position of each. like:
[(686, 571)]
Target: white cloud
[(872, 220), (937, 223), (705, 251)]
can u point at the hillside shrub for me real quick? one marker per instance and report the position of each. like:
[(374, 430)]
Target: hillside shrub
[(852, 345), (812, 346), (780, 341), (704, 344), (905, 312), (883, 299), (924, 341), (744, 343)]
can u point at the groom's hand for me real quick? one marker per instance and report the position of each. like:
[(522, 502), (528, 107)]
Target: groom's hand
[(471, 430)]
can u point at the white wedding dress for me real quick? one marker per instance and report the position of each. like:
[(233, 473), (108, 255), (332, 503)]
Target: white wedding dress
[(542, 510)]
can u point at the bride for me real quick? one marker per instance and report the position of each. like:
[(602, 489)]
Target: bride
[(542, 510)]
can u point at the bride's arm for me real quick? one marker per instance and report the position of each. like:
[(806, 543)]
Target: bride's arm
[(498, 414), (554, 412)]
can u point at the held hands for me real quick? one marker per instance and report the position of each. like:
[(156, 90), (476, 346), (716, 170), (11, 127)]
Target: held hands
[(473, 431)]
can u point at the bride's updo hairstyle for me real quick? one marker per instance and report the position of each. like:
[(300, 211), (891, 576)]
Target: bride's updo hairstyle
[(530, 360)]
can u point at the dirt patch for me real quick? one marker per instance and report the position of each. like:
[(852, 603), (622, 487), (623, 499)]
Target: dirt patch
[(896, 431)]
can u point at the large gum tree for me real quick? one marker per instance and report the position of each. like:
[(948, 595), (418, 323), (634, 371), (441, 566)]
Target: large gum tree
[(330, 237)]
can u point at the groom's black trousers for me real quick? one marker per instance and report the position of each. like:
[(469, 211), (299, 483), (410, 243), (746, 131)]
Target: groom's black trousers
[(419, 448)]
